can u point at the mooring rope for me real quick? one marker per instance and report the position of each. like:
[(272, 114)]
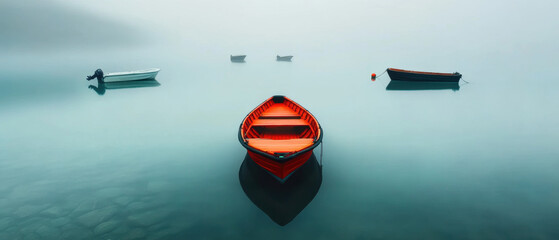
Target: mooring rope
[(381, 74), (465, 80)]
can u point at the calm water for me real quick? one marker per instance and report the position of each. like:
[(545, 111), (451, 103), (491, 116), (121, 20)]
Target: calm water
[(164, 162)]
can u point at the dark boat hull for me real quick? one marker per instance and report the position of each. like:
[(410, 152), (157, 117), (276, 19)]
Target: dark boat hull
[(399, 75)]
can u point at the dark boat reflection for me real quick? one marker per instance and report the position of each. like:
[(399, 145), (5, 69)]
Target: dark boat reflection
[(103, 86), (418, 85), (281, 202)]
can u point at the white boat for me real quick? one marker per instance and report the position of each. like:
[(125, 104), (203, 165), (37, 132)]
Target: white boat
[(238, 58), (131, 76), (283, 58)]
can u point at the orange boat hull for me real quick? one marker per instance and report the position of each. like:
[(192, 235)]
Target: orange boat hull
[(281, 170)]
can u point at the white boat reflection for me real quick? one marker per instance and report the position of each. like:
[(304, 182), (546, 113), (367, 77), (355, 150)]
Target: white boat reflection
[(103, 86)]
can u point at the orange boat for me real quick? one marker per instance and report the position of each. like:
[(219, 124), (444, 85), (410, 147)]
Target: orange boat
[(280, 135)]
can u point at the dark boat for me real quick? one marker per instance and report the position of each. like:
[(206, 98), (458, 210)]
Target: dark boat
[(281, 202), (279, 136), (419, 85), (407, 75)]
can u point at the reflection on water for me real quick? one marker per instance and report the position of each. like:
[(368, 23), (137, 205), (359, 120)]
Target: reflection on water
[(281, 202), (418, 85), (103, 86)]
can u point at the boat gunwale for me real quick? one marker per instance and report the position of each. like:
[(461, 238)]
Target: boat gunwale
[(285, 98), (423, 73), (130, 74), (147, 71), (245, 144)]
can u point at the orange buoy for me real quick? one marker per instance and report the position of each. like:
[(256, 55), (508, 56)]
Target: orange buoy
[(373, 77)]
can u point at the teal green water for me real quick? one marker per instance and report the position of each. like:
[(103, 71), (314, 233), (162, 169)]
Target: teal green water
[(163, 162)]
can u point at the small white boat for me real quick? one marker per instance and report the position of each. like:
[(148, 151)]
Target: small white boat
[(238, 58), (284, 58), (131, 76)]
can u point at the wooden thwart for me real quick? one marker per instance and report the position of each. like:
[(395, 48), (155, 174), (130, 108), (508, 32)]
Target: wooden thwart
[(279, 122), (280, 146), (279, 111)]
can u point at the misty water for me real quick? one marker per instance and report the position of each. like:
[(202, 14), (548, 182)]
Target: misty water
[(162, 161)]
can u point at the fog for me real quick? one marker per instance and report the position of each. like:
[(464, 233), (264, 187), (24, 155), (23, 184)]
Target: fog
[(517, 31)]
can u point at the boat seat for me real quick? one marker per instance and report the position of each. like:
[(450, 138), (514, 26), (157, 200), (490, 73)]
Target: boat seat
[(280, 146), (279, 111), (279, 122)]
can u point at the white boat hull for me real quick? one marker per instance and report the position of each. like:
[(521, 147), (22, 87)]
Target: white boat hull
[(131, 76)]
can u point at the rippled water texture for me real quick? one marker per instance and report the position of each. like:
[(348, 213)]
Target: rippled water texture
[(161, 160)]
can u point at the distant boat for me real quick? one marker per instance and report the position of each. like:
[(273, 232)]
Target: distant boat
[(284, 58), (238, 58), (280, 136), (407, 75), (131, 76), (421, 85)]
